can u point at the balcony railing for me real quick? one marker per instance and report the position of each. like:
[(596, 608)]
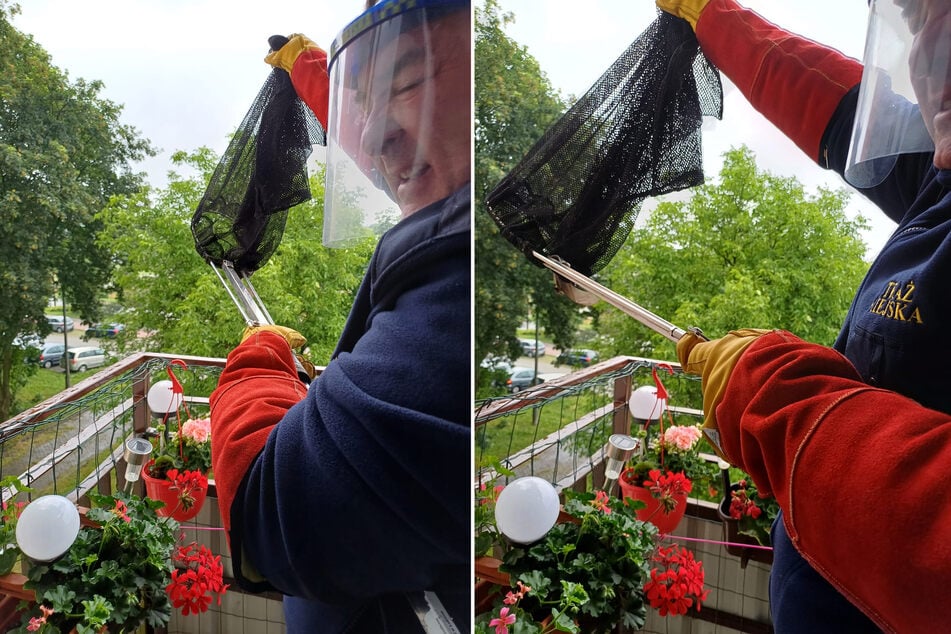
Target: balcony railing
[(72, 444), (558, 431)]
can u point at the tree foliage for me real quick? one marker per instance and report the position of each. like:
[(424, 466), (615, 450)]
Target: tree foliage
[(170, 292), (514, 104), (752, 250), (63, 153)]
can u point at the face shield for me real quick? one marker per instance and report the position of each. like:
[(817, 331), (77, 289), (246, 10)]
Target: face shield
[(904, 103), (399, 127)]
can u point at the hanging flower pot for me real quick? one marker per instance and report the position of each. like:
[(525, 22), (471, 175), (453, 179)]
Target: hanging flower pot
[(182, 492), (665, 497), (747, 520)]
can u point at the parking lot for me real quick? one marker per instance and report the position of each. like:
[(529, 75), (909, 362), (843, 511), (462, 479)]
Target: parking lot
[(74, 338)]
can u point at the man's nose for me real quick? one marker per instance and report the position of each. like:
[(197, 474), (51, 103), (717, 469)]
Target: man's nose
[(379, 132)]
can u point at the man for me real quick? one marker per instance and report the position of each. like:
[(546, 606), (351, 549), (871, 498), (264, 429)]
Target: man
[(854, 442), (353, 497)]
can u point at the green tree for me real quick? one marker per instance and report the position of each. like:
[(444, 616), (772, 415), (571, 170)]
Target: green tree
[(752, 250), (514, 103), (170, 292), (63, 153)]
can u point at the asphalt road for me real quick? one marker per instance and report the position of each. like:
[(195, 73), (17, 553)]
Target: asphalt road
[(546, 365), (73, 338)]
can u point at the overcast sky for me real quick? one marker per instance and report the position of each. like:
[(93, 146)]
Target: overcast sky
[(185, 71), (574, 47)]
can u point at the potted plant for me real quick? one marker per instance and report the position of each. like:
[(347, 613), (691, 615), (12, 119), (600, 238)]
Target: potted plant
[(665, 473), (122, 571), (747, 519), (9, 513), (178, 475), (598, 569)]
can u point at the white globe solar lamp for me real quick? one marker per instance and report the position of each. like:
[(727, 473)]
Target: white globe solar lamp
[(47, 527), (645, 404), (526, 509), (162, 399)]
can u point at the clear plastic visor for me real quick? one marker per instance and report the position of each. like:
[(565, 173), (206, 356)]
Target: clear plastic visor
[(905, 92), (394, 107)]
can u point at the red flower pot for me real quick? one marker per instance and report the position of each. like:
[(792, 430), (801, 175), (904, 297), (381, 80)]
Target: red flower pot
[(161, 489), (654, 512)]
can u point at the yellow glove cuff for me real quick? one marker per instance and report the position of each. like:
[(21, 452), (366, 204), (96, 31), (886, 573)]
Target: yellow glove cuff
[(689, 10), (714, 362), (293, 338), (285, 58)]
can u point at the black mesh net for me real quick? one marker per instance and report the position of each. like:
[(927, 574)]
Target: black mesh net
[(634, 134), (261, 175)]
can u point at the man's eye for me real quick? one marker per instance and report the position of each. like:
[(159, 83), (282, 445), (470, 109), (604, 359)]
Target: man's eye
[(403, 87)]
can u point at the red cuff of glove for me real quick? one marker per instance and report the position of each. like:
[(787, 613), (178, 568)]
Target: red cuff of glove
[(256, 388), (311, 82)]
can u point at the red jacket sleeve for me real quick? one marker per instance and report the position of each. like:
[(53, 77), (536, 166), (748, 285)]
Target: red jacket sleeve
[(860, 473), (794, 82), (256, 388)]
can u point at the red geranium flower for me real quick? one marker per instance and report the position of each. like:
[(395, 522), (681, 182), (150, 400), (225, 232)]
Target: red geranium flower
[(198, 573)]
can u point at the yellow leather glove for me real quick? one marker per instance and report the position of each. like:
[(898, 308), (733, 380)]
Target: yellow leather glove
[(286, 55), (689, 10), (304, 364), (714, 361), (293, 338)]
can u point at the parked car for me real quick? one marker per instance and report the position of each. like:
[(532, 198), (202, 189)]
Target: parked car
[(103, 330), (532, 348), (58, 324), (83, 358), (521, 378), (497, 364), (577, 358), (30, 343), (51, 354)]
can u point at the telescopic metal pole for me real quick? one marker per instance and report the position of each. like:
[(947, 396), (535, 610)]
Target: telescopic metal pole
[(641, 314)]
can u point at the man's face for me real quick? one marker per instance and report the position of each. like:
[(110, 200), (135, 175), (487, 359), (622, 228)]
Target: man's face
[(418, 112), (930, 25)]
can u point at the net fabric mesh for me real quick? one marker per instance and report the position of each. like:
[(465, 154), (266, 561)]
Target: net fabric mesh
[(261, 175), (634, 134)]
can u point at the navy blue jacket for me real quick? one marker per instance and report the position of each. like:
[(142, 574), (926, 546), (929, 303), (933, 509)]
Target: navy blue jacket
[(361, 494)]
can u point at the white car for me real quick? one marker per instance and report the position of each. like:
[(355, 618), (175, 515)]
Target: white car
[(83, 358)]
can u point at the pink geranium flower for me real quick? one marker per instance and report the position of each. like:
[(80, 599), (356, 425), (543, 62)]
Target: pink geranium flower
[(502, 622), (198, 429), (682, 437)]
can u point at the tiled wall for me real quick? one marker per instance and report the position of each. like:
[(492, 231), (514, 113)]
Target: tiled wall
[(733, 589), (739, 591), (239, 613)]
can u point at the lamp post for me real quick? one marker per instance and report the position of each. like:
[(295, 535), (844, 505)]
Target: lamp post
[(620, 449), (163, 398), (137, 452)]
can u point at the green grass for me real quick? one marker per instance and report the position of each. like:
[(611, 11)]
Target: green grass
[(508, 435), (44, 384)]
